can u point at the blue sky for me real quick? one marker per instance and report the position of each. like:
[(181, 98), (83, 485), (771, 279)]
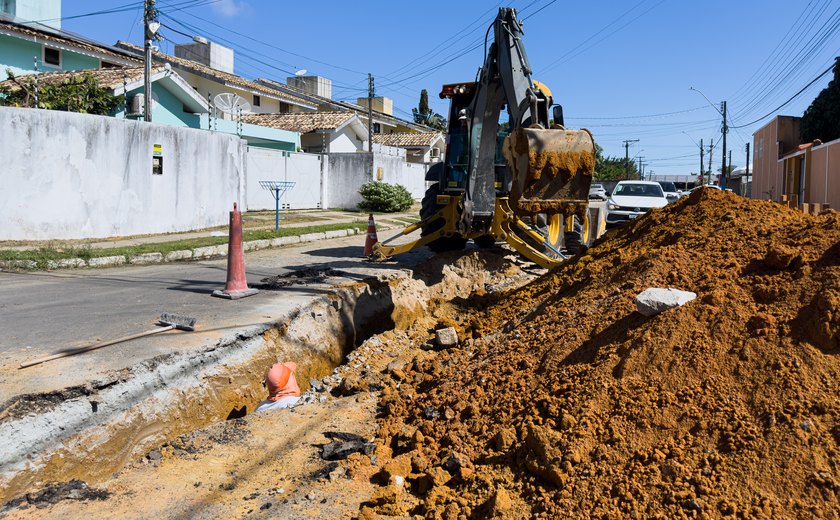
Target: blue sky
[(620, 68)]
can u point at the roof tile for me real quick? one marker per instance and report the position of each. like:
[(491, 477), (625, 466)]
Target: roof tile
[(303, 122), (111, 78), (407, 139), (224, 77)]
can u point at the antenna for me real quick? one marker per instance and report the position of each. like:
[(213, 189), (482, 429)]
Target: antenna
[(232, 104), (301, 72)]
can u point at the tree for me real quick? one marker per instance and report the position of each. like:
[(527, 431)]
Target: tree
[(424, 115), (613, 168), (821, 119), (423, 108), (79, 93)]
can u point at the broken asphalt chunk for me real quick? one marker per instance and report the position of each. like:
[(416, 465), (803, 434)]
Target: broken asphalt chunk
[(345, 444)]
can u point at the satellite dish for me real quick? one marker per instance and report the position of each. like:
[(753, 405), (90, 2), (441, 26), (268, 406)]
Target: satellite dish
[(301, 72), (231, 103)]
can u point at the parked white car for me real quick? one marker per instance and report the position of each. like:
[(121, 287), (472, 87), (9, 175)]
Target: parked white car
[(630, 199)]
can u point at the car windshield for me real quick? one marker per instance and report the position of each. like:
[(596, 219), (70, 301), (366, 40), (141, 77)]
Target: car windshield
[(596, 187), (668, 186), (638, 190)]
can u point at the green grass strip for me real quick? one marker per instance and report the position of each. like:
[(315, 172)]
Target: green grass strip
[(44, 254)]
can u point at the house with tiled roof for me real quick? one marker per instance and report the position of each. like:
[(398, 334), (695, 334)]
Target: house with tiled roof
[(174, 101), (384, 122), (211, 78), (320, 132), (27, 47), (420, 147)]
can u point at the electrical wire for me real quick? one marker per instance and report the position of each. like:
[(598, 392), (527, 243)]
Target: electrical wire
[(784, 42), (582, 46), (805, 55), (803, 89), (648, 116), (255, 40)]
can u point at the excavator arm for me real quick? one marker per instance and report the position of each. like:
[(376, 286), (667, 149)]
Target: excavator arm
[(539, 195), (504, 80)]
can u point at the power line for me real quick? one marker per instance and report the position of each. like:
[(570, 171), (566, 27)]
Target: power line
[(784, 42), (538, 10), (571, 53), (460, 35), (276, 47), (634, 125), (805, 55), (118, 9), (648, 116), (789, 99)]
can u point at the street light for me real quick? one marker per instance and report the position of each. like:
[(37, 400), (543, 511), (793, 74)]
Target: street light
[(724, 130), (707, 99)]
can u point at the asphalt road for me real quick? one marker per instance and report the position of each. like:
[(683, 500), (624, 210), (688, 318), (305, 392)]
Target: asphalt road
[(42, 313)]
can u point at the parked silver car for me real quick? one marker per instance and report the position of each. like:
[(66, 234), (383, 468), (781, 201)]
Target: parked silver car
[(597, 191), (671, 192)]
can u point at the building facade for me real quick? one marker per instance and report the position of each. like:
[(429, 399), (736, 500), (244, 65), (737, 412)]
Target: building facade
[(783, 168)]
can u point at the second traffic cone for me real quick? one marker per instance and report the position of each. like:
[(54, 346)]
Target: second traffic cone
[(371, 236), (236, 286)]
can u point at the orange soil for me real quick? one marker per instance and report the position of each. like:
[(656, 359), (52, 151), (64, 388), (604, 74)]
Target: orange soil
[(571, 404)]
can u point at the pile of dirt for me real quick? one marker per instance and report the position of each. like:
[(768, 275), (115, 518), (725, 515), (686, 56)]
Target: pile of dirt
[(571, 403)]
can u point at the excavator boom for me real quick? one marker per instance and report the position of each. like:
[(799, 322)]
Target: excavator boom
[(534, 197)]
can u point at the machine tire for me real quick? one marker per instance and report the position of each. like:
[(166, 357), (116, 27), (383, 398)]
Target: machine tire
[(429, 207), (579, 239), (485, 241)]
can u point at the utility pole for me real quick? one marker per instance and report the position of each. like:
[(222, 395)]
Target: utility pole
[(711, 148), (728, 168), (747, 173), (702, 168), (724, 173), (370, 122), (151, 26), (641, 175), (627, 156)]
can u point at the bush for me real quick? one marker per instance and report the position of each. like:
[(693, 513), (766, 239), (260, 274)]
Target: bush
[(384, 198), (80, 93)]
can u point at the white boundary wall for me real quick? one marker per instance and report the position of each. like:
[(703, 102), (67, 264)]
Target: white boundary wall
[(272, 165), (70, 176), (348, 171), (67, 175)]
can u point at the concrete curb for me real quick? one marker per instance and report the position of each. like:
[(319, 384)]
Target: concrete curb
[(199, 253)]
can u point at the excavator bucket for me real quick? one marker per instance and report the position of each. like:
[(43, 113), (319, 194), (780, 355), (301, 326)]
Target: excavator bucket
[(551, 170)]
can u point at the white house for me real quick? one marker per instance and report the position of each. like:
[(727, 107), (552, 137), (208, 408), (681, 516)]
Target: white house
[(320, 132), (420, 147)]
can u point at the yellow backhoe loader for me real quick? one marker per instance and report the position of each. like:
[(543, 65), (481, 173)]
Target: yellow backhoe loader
[(517, 178)]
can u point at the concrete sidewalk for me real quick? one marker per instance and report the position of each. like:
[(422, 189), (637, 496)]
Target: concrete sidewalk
[(251, 221)]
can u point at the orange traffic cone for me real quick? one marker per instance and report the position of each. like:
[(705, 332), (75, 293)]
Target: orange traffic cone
[(371, 236), (236, 286)]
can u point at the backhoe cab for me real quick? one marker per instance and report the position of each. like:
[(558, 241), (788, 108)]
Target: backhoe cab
[(509, 173)]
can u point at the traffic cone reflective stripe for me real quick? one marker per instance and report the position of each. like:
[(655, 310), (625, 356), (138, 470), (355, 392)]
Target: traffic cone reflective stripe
[(236, 286), (371, 236)]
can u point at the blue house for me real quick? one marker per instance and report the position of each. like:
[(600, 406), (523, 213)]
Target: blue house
[(31, 39), (174, 102)]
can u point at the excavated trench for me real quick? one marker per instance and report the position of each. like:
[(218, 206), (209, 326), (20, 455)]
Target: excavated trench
[(91, 432)]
